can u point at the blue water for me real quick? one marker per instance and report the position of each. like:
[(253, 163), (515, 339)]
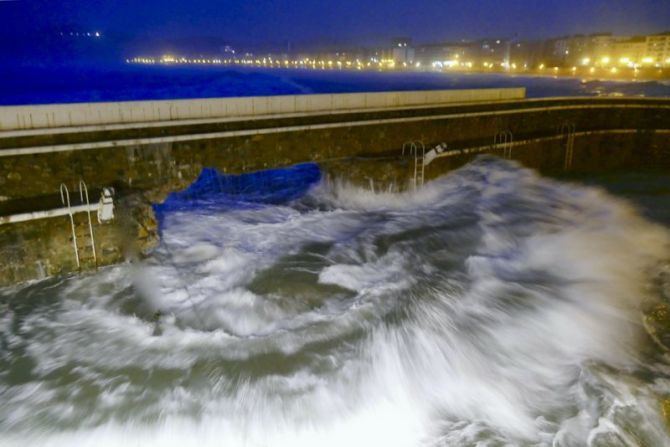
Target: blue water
[(45, 85)]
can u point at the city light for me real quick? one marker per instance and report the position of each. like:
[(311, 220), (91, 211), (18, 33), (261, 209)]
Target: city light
[(562, 59)]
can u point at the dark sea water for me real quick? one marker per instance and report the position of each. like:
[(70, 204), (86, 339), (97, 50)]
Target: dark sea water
[(44, 85)]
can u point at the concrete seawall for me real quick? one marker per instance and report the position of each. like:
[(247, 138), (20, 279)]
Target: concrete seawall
[(356, 137), (87, 114)]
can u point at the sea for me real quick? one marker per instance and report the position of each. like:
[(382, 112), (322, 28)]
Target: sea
[(126, 82)]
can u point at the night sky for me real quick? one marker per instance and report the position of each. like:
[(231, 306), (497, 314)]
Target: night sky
[(341, 21)]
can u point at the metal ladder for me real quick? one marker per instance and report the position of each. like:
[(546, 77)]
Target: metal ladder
[(80, 236), (423, 162), (413, 149), (506, 139), (567, 130)]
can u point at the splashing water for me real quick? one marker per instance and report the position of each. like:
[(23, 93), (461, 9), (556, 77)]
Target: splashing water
[(492, 307)]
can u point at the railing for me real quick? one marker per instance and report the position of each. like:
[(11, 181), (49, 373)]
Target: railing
[(83, 193), (505, 139), (83, 196), (567, 130), (413, 149), (65, 199)]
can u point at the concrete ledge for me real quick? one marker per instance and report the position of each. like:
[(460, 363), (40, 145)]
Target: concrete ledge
[(526, 141), (62, 115), (123, 143)]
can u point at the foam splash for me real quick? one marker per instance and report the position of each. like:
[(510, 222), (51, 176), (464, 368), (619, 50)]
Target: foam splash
[(492, 306)]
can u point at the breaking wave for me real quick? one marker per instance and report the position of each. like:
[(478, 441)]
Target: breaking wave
[(491, 307)]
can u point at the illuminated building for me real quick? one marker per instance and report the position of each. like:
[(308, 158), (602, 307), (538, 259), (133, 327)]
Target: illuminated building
[(402, 51), (427, 54), (629, 51), (657, 49)]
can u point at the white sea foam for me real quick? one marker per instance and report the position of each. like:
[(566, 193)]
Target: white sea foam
[(490, 307)]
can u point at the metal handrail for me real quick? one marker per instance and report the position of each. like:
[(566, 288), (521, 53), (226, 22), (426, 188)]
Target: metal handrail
[(65, 200), (405, 145), (506, 139), (423, 161), (568, 130), (412, 151), (83, 192), (508, 153)]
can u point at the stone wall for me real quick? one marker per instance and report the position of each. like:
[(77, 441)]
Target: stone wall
[(41, 248), (625, 134)]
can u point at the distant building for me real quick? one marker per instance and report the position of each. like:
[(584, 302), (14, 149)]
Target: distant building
[(527, 54), (402, 51), (569, 50), (441, 52), (601, 44), (629, 51), (494, 51), (657, 49)]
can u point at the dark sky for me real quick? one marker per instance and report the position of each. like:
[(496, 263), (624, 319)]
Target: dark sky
[(338, 21)]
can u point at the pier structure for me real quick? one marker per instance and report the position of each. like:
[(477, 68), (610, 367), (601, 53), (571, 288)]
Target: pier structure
[(129, 155)]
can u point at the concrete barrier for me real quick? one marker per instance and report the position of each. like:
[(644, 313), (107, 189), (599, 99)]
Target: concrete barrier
[(85, 114)]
